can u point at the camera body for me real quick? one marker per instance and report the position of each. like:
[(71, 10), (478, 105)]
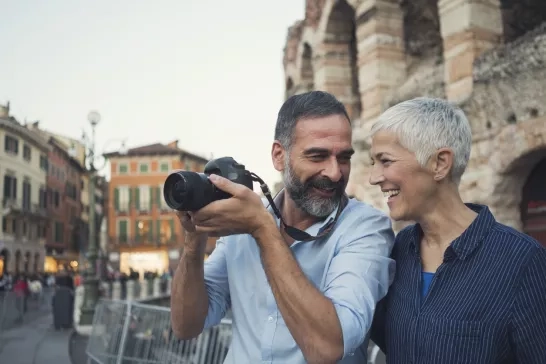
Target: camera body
[(191, 191)]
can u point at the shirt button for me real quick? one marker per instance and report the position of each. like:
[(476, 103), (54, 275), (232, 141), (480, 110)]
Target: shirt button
[(270, 318)]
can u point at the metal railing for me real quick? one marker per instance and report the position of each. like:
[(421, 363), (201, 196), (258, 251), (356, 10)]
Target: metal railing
[(127, 332)]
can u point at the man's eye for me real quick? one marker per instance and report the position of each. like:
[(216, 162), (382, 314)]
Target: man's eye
[(385, 161)]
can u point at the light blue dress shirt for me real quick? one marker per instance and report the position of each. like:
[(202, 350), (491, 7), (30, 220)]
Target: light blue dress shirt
[(351, 266)]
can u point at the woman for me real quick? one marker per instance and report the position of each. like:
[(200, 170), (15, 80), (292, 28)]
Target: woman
[(467, 289)]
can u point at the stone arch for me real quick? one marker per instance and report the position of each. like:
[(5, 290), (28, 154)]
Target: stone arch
[(26, 262), (338, 54), (306, 70), (422, 36), (18, 257), (518, 149), (521, 16), (533, 203), (289, 87), (4, 261)]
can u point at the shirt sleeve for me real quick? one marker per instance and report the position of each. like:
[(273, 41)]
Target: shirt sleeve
[(529, 312), (360, 274), (216, 284)]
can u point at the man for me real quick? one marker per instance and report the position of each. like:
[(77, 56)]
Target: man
[(293, 301)]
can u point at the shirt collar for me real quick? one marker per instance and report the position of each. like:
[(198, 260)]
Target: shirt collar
[(314, 229), (470, 239)]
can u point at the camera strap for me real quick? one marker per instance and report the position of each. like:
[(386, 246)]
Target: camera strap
[(295, 233)]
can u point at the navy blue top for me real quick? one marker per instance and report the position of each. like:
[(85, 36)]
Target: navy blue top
[(486, 305), (426, 281)]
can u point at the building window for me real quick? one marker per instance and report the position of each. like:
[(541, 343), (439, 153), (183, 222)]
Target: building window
[(144, 231), (123, 168), (11, 145), (162, 205), (44, 163), (123, 228), (26, 194), (143, 168), (164, 167), (122, 198), (59, 232), (166, 231), (26, 152), (143, 198), (10, 187), (56, 198)]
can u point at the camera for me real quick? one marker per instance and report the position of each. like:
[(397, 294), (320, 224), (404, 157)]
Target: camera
[(190, 191)]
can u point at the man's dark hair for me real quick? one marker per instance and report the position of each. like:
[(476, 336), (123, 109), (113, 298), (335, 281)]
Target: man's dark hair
[(302, 106)]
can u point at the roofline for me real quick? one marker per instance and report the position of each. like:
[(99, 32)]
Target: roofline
[(181, 153), (23, 132)]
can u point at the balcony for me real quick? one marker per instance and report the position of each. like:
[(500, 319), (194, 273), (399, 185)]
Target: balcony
[(155, 241), (13, 207)]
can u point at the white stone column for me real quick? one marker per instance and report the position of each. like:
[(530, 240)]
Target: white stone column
[(116, 290), (130, 290), (143, 288)]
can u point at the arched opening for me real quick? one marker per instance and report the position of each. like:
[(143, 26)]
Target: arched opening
[(27, 262), (307, 73), (36, 267), (18, 262), (521, 16), (533, 203), (289, 87), (341, 42), (422, 36), (4, 261)]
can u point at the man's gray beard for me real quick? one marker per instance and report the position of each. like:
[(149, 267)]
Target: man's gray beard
[(303, 197)]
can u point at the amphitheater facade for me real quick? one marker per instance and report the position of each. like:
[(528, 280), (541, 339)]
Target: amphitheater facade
[(488, 56)]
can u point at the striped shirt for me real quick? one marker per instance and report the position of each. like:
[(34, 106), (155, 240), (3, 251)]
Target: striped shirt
[(486, 303)]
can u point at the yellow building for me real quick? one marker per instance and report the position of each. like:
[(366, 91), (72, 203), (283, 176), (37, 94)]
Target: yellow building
[(23, 170)]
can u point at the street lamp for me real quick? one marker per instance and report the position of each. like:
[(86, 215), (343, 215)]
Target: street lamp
[(91, 280)]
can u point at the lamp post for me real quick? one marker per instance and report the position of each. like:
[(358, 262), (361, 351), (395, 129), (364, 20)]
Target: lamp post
[(91, 280)]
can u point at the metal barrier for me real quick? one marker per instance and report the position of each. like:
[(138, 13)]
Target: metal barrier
[(15, 307), (126, 332)]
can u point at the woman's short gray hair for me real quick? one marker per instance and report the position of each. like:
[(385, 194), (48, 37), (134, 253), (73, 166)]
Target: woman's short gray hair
[(424, 125)]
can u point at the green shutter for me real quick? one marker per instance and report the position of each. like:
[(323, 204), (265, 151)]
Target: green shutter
[(151, 239), (158, 231), (130, 192), (173, 235), (151, 197), (159, 198), (137, 235), (137, 198), (116, 198), (122, 224)]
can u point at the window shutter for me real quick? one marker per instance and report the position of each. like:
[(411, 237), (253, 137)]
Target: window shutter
[(116, 198), (137, 235), (159, 198), (151, 232), (151, 197), (173, 235), (130, 193), (158, 231)]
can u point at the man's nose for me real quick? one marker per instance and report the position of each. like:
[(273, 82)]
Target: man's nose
[(333, 170), (376, 176)]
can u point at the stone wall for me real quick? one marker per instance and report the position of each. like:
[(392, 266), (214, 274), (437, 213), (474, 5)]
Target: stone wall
[(439, 48)]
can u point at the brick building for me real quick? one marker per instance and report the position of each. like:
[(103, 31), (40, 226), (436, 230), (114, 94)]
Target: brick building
[(64, 233), (143, 231), (486, 56)]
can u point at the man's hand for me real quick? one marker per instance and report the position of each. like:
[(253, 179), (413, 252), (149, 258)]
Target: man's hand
[(194, 242), (243, 213)]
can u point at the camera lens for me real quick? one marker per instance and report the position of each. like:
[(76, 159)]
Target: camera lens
[(178, 191)]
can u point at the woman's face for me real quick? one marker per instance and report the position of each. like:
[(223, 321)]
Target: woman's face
[(407, 186)]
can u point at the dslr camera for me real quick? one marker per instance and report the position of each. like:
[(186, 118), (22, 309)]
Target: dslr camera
[(190, 191)]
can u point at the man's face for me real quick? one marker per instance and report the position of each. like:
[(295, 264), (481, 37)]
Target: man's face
[(316, 168)]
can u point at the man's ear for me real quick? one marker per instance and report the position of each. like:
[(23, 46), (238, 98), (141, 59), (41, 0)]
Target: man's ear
[(278, 154), (442, 164)]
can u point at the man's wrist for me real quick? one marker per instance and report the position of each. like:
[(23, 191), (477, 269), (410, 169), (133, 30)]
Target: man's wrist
[(266, 227)]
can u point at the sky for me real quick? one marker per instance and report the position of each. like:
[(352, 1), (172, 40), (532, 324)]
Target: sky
[(208, 73)]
